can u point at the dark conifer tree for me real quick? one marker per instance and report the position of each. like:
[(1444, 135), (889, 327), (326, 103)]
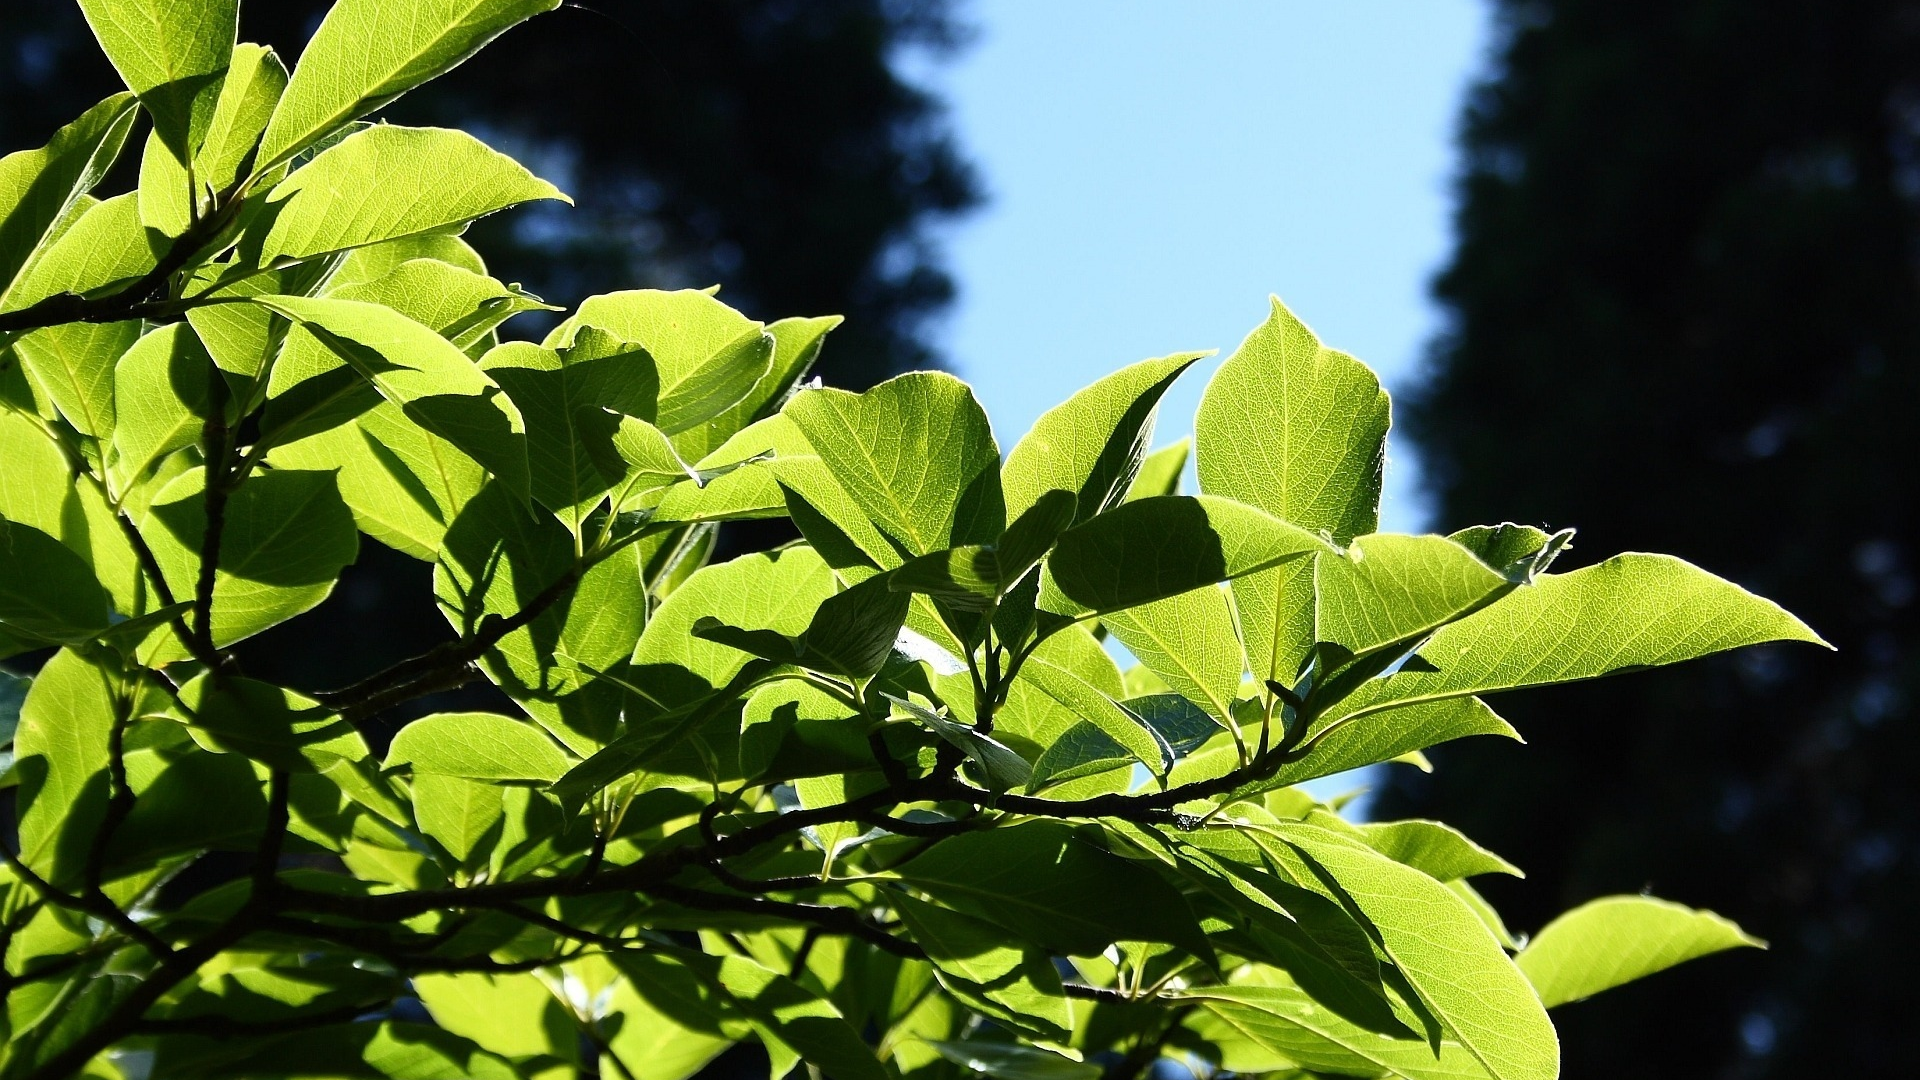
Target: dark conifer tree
[(1684, 317)]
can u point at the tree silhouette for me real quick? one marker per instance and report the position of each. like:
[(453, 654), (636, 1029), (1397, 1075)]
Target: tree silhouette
[(1683, 317)]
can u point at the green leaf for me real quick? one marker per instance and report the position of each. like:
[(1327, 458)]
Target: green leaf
[(497, 559), (1012, 1061), (796, 344), (74, 363), (573, 400), (173, 53), (403, 484), (270, 724), (915, 453), (39, 187), (287, 537), (60, 756), (1072, 669), (1386, 588), (39, 488), (254, 82), (1299, 431), (1189, 641), (1151, 549), (777, 591), (1616, 939), (1047, 885), (662, 1023), (1160, 471), (1296, 429), (1284, 1020), (853, 630), (977, 574), (464, 816), (1015, 986), (1435, 849), (419, 371), (1390, 733), (478, 746), (1521, 552), (104, 247), (1092, 444), (512, 1014), (160, 393), (459, 304), (1442, 948), (47, 591), (712, 361), (379, 184), (366, 53), (1632, 611)]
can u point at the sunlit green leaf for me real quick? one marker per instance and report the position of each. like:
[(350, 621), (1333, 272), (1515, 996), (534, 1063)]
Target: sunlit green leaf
[(367, 53), (1617, 939)]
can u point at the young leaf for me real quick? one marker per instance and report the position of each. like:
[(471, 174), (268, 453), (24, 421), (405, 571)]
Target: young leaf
[(1387, 588), (1155, 548), (39, 187), (373, 186), (915, 453), (255, 79), (1296, 429), (1299, 431), (1617, 939), (368, 52), (1631, 611), (1092, 444), (478, 746), (173, 53)]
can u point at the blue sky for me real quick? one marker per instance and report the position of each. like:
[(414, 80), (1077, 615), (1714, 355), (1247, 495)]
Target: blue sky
[(1156, 168)]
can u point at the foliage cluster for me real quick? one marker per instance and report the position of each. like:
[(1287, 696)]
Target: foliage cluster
[(879, 801)]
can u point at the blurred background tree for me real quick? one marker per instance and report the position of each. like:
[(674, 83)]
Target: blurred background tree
[(771, 146), (1683, 317)]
